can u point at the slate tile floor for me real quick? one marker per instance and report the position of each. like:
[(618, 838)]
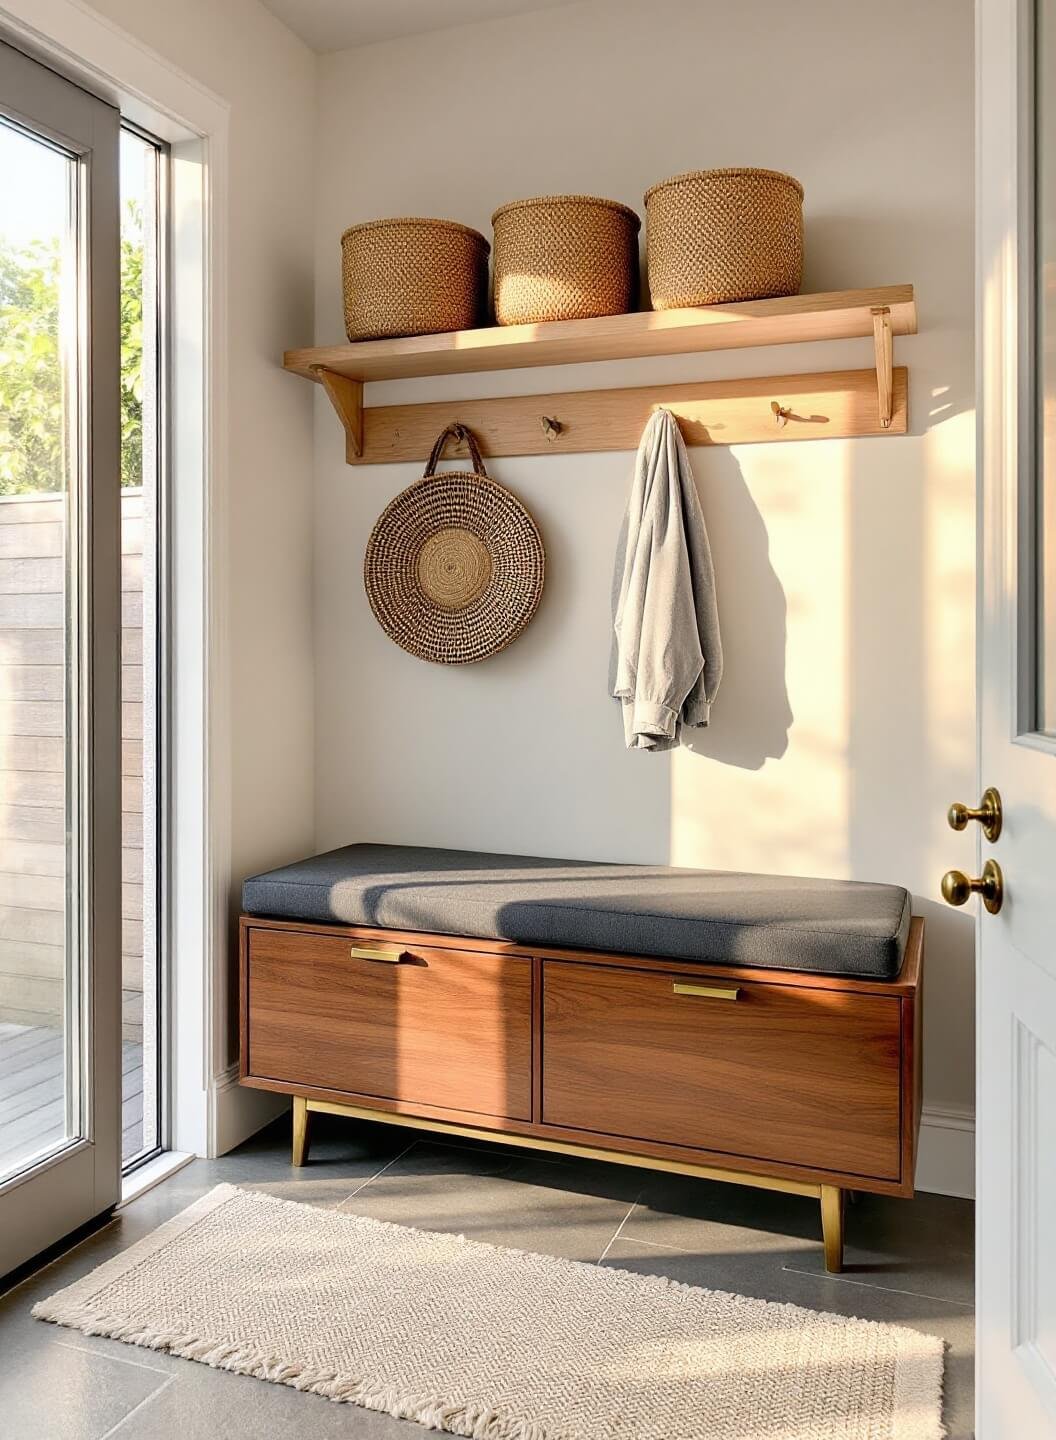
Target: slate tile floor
[(908, 1261)]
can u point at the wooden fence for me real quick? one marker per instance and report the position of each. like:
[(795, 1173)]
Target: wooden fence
[(32, 724)]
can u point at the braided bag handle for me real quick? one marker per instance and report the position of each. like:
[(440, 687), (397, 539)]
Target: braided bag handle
[(457, 432)]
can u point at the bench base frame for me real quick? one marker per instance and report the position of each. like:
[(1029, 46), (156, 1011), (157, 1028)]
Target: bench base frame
[(830, 1196)]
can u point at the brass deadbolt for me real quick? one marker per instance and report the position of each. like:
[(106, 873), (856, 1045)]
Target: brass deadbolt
[(987, 812), (958, 888)]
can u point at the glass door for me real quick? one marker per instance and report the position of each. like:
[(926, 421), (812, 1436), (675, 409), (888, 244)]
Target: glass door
[(60, 618), (144, 174)]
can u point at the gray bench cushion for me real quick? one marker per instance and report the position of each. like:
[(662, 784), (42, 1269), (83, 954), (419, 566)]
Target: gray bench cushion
[(841, 927)]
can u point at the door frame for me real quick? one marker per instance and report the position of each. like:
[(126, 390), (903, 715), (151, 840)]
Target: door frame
[(208, 1111), (80, 1179)]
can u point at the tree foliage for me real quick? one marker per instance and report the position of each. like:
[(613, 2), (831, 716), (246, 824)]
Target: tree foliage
[(31, 409), (132, 347), (32, 443)]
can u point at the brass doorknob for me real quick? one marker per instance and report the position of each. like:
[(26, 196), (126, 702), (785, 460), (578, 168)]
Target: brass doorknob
[(987, 812), (958, 888)]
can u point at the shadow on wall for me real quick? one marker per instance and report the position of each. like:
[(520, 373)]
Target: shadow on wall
[(847, 251), (753, 701)]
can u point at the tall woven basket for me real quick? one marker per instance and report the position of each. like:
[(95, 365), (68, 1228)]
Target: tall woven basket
[(413, 277), (564, 257), (715, 236)]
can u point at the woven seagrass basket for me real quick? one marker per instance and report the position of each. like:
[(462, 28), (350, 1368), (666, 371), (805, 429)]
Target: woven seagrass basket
[(413, 277), (564, 257), (714, 236), (454, 566)]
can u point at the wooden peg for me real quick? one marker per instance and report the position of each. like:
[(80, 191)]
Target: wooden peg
[(882, 344), (346, 396)]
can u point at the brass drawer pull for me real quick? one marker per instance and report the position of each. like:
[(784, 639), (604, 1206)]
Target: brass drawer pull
[(713, 992), (390, 956)]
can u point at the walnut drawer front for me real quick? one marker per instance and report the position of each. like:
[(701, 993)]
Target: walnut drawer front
[(798, 1075), (441, 1027)]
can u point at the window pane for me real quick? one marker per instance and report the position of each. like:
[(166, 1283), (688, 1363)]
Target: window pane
[(141, 1087), (40, 980)]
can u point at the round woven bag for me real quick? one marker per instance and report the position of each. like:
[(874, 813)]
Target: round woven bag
[(454, 565)]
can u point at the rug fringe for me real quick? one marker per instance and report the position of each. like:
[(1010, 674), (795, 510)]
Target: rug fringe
[(918, 1391), (470, 1421)]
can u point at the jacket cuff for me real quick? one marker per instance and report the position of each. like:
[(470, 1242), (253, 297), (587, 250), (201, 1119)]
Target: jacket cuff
[(652, 718), (697, 714)]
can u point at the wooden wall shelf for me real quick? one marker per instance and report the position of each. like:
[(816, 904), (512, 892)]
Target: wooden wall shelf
[(599, 416)]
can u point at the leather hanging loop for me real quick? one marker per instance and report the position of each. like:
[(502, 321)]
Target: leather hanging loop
[(459, 433)]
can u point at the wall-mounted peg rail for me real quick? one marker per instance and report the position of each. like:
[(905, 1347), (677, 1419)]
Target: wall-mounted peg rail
[(834, 405)]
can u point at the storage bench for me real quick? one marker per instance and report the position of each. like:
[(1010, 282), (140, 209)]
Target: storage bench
[(430, 988)]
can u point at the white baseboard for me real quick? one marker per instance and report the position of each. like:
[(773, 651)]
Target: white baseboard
[(239, 1112), (946, 1152)]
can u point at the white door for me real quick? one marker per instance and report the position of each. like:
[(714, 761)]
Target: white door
[(1016, 308), (60, 855)]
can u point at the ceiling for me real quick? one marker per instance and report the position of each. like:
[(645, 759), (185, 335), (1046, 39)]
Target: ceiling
[(339, 24)]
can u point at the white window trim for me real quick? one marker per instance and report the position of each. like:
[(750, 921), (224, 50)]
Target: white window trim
[(171, 105)]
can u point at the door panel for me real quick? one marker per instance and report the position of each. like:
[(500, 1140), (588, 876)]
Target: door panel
[(59, 603), (1016, 303)]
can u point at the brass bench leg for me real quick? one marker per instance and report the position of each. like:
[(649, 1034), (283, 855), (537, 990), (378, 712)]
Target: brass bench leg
[(832, 1227), (301, 1121)]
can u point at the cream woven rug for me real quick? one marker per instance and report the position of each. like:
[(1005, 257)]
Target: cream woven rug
[(497, 1344)]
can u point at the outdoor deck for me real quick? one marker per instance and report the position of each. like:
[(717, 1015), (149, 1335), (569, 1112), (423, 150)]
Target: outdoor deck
[(32, 1093)]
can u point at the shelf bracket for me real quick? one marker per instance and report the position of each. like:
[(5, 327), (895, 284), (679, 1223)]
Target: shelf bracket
[(346, 396), (882, 344)]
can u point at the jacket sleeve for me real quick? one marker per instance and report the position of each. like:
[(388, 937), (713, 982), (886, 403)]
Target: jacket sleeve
[(697, 708)]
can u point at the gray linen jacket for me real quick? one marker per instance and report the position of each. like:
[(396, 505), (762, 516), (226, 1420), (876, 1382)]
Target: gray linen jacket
[(666, 660)]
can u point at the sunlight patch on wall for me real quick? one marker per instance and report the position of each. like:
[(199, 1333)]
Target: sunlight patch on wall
[(948, 592), (778, 520)]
